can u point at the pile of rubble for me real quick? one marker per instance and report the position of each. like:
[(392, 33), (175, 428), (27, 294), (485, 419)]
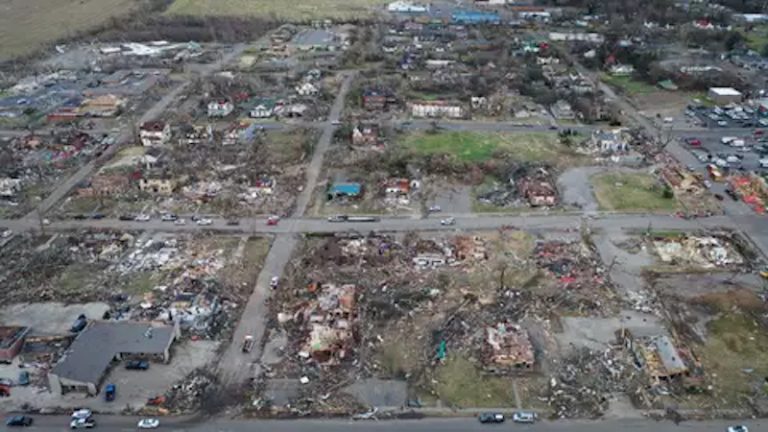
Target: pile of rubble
[(189, 395), (582, 385), (701, 251)]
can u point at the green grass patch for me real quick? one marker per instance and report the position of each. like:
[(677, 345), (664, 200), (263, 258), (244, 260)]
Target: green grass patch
[(296, 11), (625, 191), (734, 357), (141, 283), (482, 146), (757, 38), (77, 279), (461, 384), (628, 85)]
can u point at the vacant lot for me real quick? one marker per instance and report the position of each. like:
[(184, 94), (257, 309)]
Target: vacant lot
[(26, 25), (757, 39), (629, 85), (627, 191), (481, 147), (298, 11)]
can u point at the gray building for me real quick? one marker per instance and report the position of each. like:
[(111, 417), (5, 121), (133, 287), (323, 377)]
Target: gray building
[(85, 364)]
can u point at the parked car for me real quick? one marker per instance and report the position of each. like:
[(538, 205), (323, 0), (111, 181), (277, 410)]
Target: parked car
[(489, 417), (274, 282), (168, 217), (737, 428), (719, 197), (98, 216), (148, 423), (204, 222), (137, 364), (142, 218), (337, 218), (127, 217), (273, 220), (6, 233), (524, 417), (448, 221), (435, 209), (82, 413), (731, 193), (233, 222), (179, 222), (23, 378), (19, 420), (7, 382), (84, 423), (79, 324), (110, 391)]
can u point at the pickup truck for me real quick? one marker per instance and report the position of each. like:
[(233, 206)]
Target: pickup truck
[(247, 344)]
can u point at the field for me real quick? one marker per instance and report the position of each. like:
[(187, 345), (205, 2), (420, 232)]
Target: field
[(629, 85), (27, 25), (308, 10), (757, 38), (622, 191), (481, 147)]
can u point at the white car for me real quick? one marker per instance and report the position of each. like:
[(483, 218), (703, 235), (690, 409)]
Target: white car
[(179, 222), (142, 218), (82, 423), (737, 428), (274, 282), (524, 417), (6, 233), (448, 221), (148, 423), (83, 413), (204, 222)]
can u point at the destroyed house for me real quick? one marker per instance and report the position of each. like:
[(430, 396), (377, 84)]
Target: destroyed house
[(106, 185), (84, 365), (365, 135), (660, 358), (539, 192), (11, 342), (509, 346), (466, 248), (330, 319)]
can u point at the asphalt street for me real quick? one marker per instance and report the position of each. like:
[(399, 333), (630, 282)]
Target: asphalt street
[(125, 424)]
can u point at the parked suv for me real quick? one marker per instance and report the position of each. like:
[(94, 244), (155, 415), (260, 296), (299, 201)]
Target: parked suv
[(137, 365)]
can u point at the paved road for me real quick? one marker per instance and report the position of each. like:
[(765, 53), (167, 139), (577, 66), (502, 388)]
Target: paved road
[(323, 144), (236, 367), (120, 424)]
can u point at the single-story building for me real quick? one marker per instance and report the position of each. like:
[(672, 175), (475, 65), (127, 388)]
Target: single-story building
[(724, 95), (86, 362), (11, 342), (349, 190)]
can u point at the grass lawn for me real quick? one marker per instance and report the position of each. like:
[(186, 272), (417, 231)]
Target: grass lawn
[(735, 343), (757, 38), (629, 85), (461, 384), (300, 11), (623, 191), (26, 25), (481, 146)]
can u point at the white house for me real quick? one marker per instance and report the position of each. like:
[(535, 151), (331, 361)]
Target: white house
[(220, 108), (306, 89), (406, 7), (263, 109), (621, 70), (436, 109), (9, 187), (154, 133)]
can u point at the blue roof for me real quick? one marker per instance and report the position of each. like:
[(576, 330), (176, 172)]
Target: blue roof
[(475, 16), (350, 189)]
